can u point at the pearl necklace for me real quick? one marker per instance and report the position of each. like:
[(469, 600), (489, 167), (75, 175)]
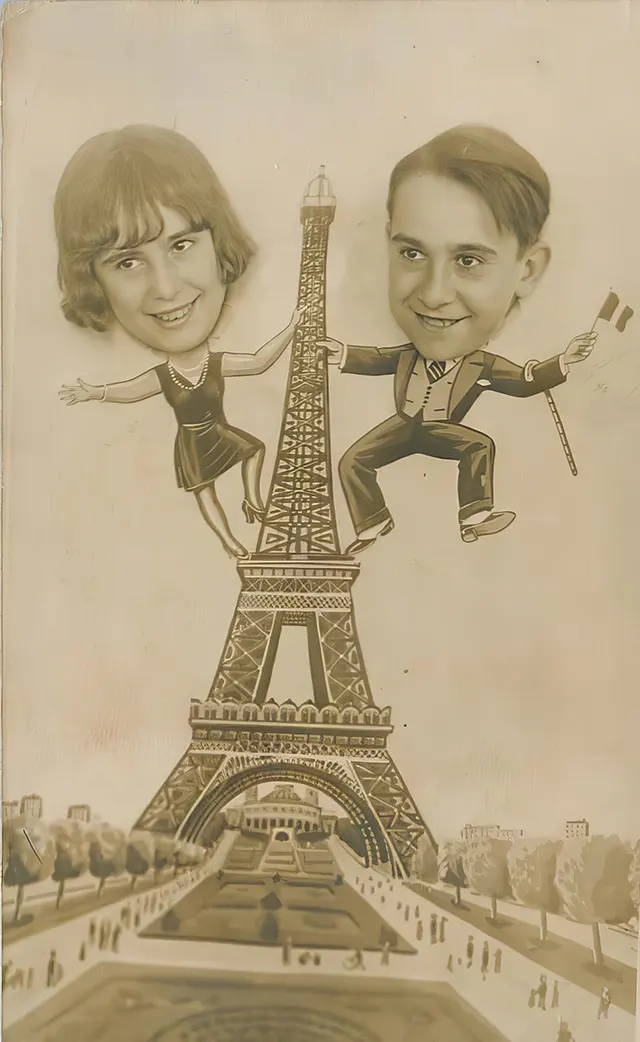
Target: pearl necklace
[(178, 377)]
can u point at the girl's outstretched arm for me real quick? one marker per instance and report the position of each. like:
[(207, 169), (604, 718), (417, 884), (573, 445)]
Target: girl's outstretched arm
[(264, 357), (134, 390)]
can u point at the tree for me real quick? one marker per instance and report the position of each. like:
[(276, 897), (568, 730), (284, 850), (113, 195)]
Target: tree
[(592, 878), (425, 861), (634, 878), (352, 836), (451, 865), (163, 854), (532, 871), (72, 852), (30, 853), (140, 854), (485, 866), (186, 855), (107, 852)]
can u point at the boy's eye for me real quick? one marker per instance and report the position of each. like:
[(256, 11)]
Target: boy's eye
[(411, 253), (182, 246), (465, 260)]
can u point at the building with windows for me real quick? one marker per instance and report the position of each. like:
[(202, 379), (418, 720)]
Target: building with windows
[(10, 809), (31, 806), (282, 808), (470, 832), (79, 812), (576, 829)]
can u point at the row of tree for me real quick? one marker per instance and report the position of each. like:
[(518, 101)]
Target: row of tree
[(33, 851), (591, 880)]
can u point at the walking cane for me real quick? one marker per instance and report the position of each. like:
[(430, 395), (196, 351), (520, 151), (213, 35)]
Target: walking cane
[(559, 424)]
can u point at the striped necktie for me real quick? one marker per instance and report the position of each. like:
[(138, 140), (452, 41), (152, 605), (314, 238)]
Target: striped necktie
[(435, 370)]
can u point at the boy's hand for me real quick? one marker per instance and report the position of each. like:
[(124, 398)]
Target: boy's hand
[(333, 349), (580, 348)]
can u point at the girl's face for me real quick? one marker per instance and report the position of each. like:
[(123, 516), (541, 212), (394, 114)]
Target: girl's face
[(166, 293)]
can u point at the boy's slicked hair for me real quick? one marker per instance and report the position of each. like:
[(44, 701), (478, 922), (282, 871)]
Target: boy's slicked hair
[(109, 196), (507, 177)]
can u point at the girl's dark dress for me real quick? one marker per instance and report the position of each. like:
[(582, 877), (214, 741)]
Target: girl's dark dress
[(206, 446)]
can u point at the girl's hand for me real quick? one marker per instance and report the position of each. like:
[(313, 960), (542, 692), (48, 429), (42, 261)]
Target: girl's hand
[(80, 392), (297, 315)]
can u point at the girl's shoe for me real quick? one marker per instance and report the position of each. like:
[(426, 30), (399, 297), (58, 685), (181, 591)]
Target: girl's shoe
[(252, 513)]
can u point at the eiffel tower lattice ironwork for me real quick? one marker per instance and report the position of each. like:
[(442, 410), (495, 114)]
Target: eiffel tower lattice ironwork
[(337, 741)]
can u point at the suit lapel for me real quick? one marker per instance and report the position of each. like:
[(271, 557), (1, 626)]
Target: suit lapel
[(406, 362), (469, 372)]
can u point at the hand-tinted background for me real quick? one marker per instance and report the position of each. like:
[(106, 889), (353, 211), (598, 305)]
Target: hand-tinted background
[(511, 665)]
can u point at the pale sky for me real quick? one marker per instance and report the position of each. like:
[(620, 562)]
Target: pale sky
[(511, 665)]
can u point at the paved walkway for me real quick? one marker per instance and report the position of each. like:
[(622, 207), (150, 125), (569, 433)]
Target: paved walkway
[(501, 998)]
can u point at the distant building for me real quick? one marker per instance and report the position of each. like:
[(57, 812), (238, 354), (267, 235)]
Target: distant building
[(282, 808), (79, 812), (31, 806), (10, 809), (576, 829), (470, 832)]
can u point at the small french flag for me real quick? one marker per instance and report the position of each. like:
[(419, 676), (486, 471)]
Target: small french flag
[(611, 308)]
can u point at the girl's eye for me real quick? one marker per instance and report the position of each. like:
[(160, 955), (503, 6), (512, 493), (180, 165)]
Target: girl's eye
[(182, 246), (127, 264), (467, 261), (410, 253)]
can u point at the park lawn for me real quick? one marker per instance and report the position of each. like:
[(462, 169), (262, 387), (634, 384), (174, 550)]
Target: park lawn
[(557, 955), (46, 916)]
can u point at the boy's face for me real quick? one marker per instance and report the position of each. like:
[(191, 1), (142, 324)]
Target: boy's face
[(167, 293), (452, 274)]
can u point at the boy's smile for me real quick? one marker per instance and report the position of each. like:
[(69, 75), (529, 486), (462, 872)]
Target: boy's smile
[(167, 293), (453, 275)]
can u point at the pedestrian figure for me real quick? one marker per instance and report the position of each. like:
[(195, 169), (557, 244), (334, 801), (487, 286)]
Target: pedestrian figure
[(115, 938), (406, 914), (382, 899), (82, 954), (433, 928), (469, 951), (92, 932), (399, 905), (362, 889), (386, 954), (355, 961), (555, 998), (52, 967), (417, 912), (443, 920), (497, 960), (605, 1002), (136, 919), (107, 932), (450, 963), (102, 937), (564, 1035), (542, 992), (419, 930), (30, 976), (286, 951), (532, 998), (484, 963), (316, 959), (304, 958)]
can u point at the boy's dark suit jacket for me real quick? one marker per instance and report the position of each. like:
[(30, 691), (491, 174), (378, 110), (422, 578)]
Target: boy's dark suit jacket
[(478, 372)]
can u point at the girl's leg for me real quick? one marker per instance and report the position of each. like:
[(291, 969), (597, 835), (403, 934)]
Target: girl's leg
[(215, 517), (251, 473)]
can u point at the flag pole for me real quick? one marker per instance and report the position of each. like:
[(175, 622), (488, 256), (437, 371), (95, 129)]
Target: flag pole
[(560, 425)]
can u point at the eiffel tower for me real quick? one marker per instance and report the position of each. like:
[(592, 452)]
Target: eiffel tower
[(335, 742)]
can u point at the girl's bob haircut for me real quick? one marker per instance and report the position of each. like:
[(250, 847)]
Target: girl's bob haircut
[(109, 196)]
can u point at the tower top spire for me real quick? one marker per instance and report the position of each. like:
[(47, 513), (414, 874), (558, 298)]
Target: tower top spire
[(319, 192)]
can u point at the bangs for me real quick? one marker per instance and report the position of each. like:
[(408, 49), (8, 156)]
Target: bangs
[(120, 208)]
